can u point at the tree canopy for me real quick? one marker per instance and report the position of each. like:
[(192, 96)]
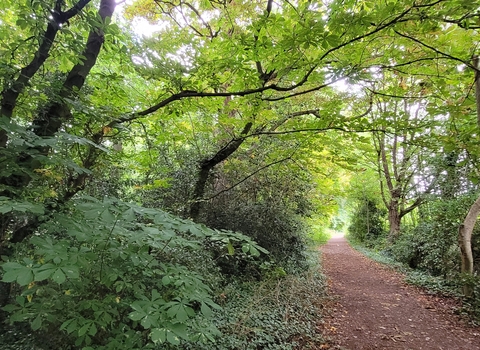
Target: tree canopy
[(217, 137)]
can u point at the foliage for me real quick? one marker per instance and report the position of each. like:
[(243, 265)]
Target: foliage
[(432, 245), (87, 105), (471, 306), (367, 223), (320, 235), (280, 313), (113, 275)]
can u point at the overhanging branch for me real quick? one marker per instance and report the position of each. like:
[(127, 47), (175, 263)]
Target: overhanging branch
[(249, 176), (465, 62)]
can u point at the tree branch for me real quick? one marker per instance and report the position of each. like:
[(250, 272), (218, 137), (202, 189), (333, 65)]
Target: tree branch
[(10, 95), (207, 165), (376, 30), (249, 176), (50, 121), (436, 50)]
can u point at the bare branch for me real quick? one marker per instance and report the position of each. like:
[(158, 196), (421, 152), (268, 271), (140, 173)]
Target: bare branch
[(212, 35)]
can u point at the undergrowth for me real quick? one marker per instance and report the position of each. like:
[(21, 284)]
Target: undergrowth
[(280, 313), (432, 284)]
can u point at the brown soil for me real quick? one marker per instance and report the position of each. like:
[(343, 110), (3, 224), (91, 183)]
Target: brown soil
[(372, 308)]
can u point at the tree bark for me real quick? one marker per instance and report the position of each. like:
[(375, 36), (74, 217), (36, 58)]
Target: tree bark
[(48, 124), (475, 62), (396, 170), (394, 220), (465, 230), (465, 242), (10, 95)]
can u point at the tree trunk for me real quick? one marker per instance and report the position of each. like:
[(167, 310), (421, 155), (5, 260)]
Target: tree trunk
[(206, 167), (465, 242), (394, 220), (465, 230), (9, 96), (47, 124)]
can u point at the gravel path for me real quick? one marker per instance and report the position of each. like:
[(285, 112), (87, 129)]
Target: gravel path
[(374, 309)]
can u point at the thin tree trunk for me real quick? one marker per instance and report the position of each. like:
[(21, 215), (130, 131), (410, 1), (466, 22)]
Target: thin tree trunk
[(465, 230), (9, 96), (465, 242)]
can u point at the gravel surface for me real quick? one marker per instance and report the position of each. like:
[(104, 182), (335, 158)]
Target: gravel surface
[(372, 308)]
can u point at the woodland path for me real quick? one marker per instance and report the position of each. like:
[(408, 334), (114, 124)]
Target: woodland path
[(373, 308)]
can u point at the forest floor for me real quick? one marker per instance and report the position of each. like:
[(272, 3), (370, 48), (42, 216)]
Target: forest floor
[(373, 308)]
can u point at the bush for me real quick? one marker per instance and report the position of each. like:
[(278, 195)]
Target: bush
[(273, 227), (433, 244), (367, 224), (112, 275)]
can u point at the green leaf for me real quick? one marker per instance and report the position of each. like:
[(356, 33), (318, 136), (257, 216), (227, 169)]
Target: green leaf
[(137, 315), (206, 311), (180, 329), (25, 277), (231, 249), (11, 308), (129, 215), (93, 330), (181, 312), (166, 280), (36, 323), (71, 272), (254, 251), (84, 329), (29, 207), (158, 335), (44, 272), (65, 324), (12, 271), (146, 322), (59, 276), (73, 326), (5, 208), (172, 338), (108, 217)]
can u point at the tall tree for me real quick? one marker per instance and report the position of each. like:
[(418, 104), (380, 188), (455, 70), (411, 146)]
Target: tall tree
[(401, 166), (466, 228)]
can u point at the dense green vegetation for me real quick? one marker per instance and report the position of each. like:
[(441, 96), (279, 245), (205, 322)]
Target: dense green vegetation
[(162, 189)]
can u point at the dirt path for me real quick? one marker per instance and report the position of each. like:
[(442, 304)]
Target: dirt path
[(374, 309)]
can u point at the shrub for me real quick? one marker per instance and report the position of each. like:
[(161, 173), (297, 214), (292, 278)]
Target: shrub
[(112, 275), (274, 227), (367, 223)]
